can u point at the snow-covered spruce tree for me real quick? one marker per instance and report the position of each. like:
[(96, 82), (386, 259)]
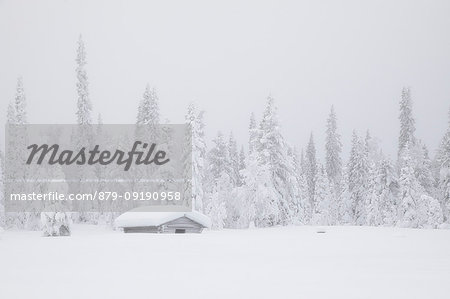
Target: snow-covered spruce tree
[(257, 192), (345, 204), (218, 180), (302, 162), (143, 116), (357, 180), (148, 128), (84, 133), (246, 193), (302, 207), (148, 110), (324, 207), (410, 192), (20, 104), (416, 208), (423, 167), (17, 109), (249, 172), (311, 168), (373, 215), (84, 106), (253, 134), (373, 209), (333, 149), (374, 152), (234, 161), (194, 120), (273, 152), (216, 208), (235, 204), (242, 159), (418, 152), (443, 162), (10, 114), (305, 211), (154, 107), (12, 219), (259, 208), (17, 115), (434, 216), (407, 122), (104, 215), (383, 191), (218, 158), (294, 203)]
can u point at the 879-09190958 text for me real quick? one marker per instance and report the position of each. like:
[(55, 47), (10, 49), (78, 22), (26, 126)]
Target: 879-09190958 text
[(98, 195)]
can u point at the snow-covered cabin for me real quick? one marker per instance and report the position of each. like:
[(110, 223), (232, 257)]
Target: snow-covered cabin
[(144, 221)]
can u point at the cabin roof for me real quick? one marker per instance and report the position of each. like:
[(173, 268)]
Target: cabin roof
[(141, 217)]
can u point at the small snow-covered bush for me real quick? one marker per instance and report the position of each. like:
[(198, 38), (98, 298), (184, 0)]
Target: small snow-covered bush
[(433, 216), (55, 224)]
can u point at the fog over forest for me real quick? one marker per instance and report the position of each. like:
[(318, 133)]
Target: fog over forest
[(228, 57)]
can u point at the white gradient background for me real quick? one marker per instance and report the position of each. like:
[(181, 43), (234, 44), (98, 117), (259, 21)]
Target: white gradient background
[(229, 55)]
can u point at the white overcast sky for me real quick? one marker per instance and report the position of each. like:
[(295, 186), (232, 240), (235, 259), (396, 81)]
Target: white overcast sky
[(229, 55)]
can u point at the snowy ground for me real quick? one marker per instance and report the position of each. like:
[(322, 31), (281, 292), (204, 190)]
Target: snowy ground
[(285, 262)]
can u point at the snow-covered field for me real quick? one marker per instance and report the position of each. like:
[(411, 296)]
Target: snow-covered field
[(282, 262)]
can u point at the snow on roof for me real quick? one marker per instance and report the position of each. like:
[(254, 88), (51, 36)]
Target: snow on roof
[(149, 216)]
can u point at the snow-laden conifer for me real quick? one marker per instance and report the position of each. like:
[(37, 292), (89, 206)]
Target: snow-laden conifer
[(333, 149), (357, 180), (218, 158), (84, 106), (259, 193), (148, 110), (324, 207), (216, 207), (20, 104), (407, 122), (253, 134), (242, 158), (443, 161), (197, 150), (234, 161), (273, 153), (382, 195), (410, 192), (311, 167)]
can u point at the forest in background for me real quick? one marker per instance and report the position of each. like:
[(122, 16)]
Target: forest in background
[(267, 182)]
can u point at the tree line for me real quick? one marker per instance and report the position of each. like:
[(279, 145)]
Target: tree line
[(268, 182)]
